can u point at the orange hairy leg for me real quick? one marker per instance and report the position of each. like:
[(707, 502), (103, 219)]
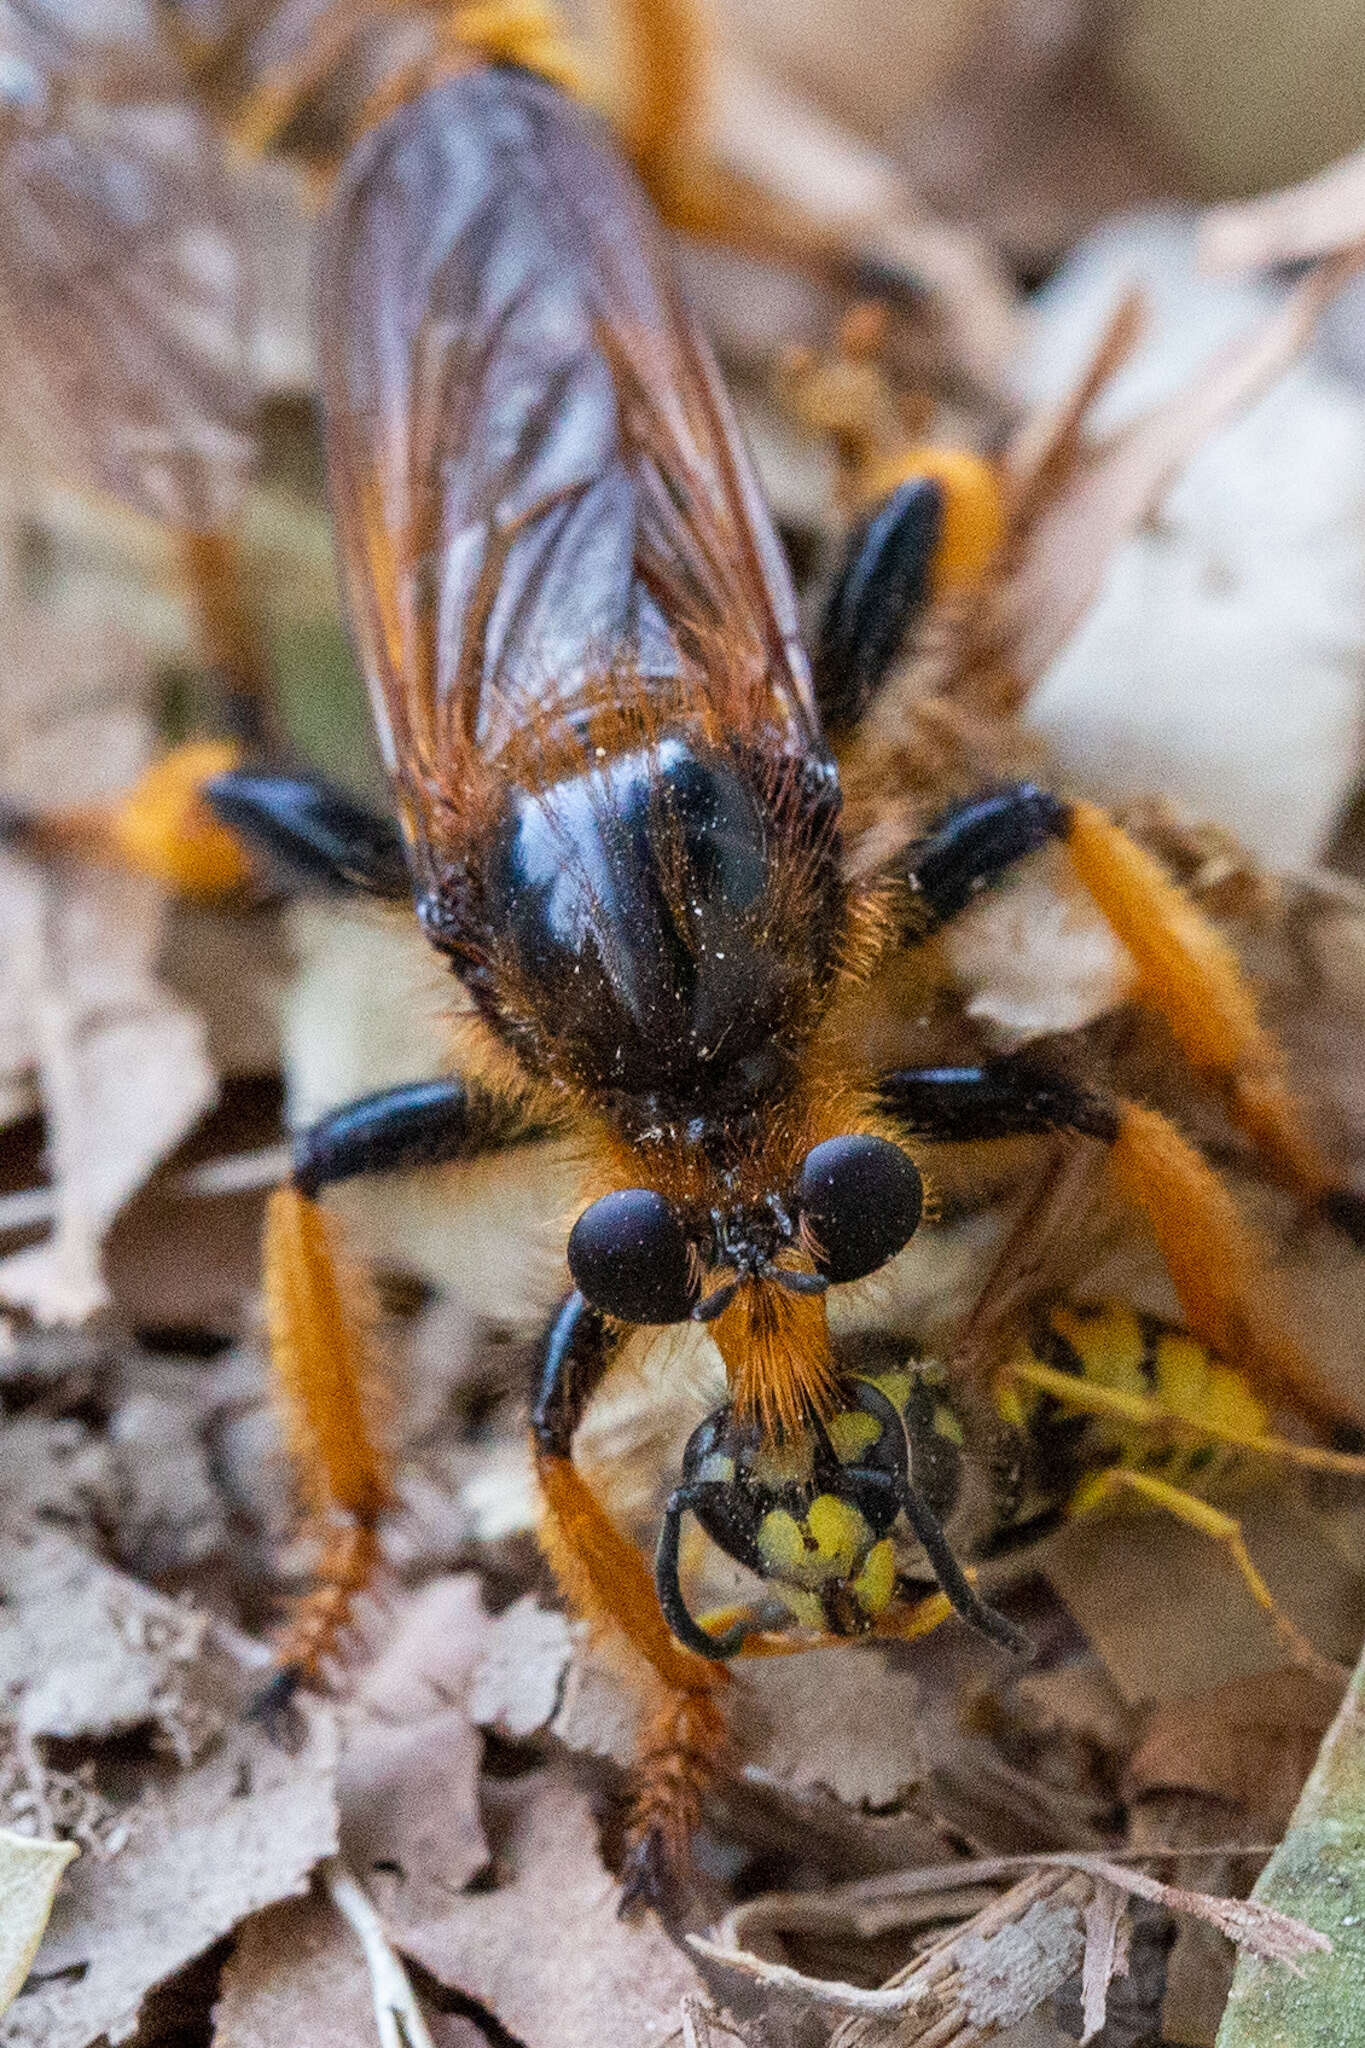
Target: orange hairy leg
[(607, 1582), (321, 1314), (1217, 1263), (1187, 973), (227, 632), (1191, 977), (160, 826)]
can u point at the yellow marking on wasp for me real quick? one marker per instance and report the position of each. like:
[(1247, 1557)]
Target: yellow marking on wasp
[(1144, 1412), (1010, 1403), (805, 1608), (874, 1588), (899, 1624), (948, 1425), (851, 1432), (1108, 1342), (895, 1385), (717, 1469), (840, 1533), (780, 1543), (826, 1546)]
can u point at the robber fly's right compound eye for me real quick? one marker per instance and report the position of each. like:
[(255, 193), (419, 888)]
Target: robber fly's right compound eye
[(861, 1200), (630, 1257)]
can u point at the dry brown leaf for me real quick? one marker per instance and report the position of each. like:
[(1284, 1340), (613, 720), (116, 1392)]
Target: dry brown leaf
[(1251, 1742), (126, 330), (59, 1470), (296, 1979), (782, 144), (519, 1680), (842, 1719), (544, 1950), (597, 1715), (207, 1847), (1066, 549), (410, 1822), (408, 1783), (1027, 134), (122, 1069), (86, 1652), (1170, 1616), (1323, 214), (436, 1644)]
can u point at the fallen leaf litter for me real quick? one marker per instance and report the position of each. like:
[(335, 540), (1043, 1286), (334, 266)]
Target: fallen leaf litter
[(433, 1848)]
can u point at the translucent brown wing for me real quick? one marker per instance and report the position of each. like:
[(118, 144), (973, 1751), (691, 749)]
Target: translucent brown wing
[(535, 472), (123, 317)]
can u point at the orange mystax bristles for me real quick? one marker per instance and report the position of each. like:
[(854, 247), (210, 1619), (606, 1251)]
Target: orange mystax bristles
[(1190, 976), (777, 1357), (321, 1316)]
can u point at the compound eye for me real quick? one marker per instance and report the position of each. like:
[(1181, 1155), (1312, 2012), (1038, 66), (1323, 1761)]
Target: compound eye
[(861, 1200), (630, 1257)]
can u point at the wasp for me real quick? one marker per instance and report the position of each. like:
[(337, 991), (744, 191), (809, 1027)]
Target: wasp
[(620, 821), (866, 1507)]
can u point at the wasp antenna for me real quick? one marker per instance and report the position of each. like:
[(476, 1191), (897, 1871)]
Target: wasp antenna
[(962, 1597)]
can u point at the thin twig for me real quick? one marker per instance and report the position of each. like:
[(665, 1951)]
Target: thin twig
[(397, 2013), (236, 1173)]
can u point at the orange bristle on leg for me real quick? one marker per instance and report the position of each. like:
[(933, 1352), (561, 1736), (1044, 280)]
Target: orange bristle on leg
[(1218, 1265), (321, 1315), (606, 1581), (681, 1754), (1192, 978)]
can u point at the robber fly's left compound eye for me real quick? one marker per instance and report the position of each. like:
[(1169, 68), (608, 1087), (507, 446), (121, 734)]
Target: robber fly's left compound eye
[(861, 1200), (630, 1257)]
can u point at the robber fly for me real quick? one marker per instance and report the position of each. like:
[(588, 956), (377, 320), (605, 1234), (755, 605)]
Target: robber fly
[(619, 820)]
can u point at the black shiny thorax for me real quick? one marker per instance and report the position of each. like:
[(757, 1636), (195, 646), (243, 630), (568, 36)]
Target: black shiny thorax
[(660, 924)]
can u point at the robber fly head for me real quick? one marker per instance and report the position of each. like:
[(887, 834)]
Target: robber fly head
[(854, 1203)]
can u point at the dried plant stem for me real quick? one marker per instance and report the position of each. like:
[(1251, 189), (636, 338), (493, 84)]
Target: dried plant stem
[(396, 2011), (937, 1974)]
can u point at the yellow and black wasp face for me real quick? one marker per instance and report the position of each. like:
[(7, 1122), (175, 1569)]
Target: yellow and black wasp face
[(814, 1512)]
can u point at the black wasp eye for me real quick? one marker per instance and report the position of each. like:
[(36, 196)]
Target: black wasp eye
[(861, 1200), (629, 1256)]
